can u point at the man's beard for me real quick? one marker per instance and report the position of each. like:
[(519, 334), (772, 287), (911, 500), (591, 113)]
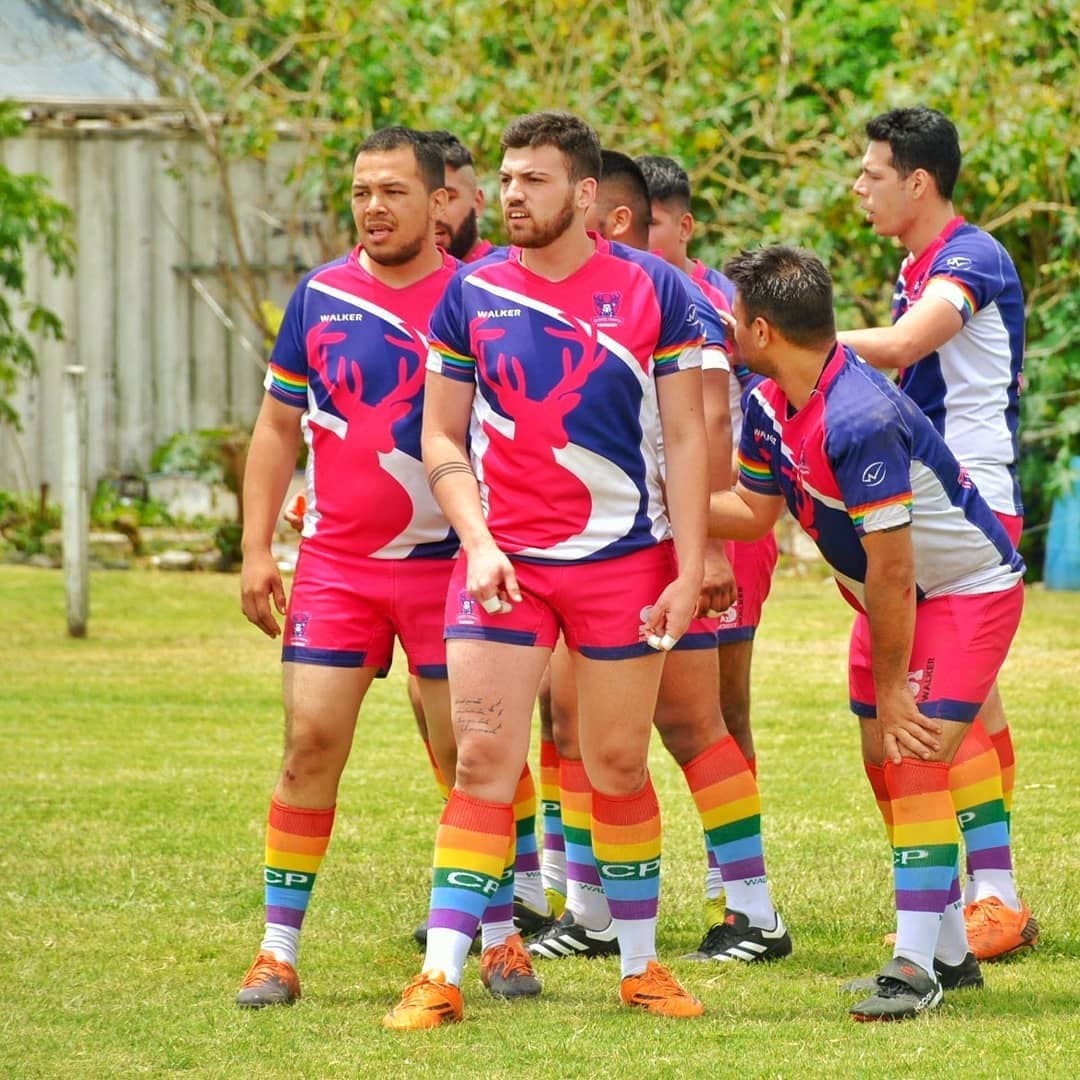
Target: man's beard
[(548, 232), (463, 238), (405, 253)]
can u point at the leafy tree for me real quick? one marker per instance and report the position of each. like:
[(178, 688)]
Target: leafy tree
[(763, 103), (28, 217)]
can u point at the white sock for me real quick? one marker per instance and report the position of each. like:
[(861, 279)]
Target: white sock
[(447, 951), (553, 870), (282, 941), (751, 897), (916, 937), (952, 942), (588, 905), (999, 883), (529, 889)]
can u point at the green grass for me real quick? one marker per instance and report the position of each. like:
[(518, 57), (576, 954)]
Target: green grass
[(136, 771)]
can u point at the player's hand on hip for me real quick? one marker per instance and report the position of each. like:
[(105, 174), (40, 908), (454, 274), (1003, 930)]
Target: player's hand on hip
[(905, 731), (491, 580), (667, 620), (260, 581)]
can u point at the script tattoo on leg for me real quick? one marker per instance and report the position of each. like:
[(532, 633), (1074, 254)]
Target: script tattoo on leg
[(478, 717)]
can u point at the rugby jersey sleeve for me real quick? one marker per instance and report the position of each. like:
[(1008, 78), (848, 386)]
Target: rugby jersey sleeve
[(678, 345), (759, 445), (450, 351), (714, 345), (968, 273), (870, 457), (287, 373)]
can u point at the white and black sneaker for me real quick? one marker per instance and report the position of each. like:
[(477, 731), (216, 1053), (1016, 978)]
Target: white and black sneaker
[(903, 990), (967, 975), (736, 939), (568, 938)]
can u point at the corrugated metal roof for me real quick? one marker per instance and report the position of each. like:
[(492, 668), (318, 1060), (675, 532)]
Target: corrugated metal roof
[(46, 54)]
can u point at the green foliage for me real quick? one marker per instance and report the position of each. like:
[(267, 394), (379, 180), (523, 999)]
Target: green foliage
[(763, 103), (214, 455), (28, 218), (24, 522)]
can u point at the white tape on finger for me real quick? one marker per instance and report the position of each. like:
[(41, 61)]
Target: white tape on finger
[(492, 605)]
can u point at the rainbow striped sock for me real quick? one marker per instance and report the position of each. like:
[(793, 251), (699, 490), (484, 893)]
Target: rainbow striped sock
[(876, 775), (1003, 747), (626, 839), (296, 841), (584, 893), (470, 858), (553, 864), (528, 886), (497, 922), (727, 798), (440, 780), (975, 784), (925, 846), (952, 942)]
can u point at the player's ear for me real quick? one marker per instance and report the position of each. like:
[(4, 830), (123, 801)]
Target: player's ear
[(438, 202), (479, 200), (619, 221), (586, 192), (686, 227)]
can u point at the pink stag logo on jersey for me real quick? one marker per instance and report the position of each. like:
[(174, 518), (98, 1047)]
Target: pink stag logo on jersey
[(796, 474), (529, 493), (353, 458)]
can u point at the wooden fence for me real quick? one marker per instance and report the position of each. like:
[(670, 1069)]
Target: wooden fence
[(149, 312)]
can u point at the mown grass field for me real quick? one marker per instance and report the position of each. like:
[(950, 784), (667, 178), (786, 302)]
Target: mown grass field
[(136, 771)]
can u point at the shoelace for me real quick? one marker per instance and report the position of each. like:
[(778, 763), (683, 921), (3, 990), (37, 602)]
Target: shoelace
[(659, 977), (511, 961), (265, 967), (890, 988)]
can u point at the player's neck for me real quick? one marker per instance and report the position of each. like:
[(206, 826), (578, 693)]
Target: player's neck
[(562, 257), (408, 273), (688, 265), (927, 228), (799, 371)]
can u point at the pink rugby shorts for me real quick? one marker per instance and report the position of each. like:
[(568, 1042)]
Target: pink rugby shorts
[(960, 644), (753, 564), (346, 612), (597, 605)]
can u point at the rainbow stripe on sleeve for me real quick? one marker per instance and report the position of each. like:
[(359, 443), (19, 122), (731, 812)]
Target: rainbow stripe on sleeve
[(754, 472), (969, 296), (287, 386), (454, 363), (858, 514), (666, 360)]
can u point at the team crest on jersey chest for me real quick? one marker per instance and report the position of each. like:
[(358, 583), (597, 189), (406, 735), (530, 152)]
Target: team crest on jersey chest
[(607, 309)]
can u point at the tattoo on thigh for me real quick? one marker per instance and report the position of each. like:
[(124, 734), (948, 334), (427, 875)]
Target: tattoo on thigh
[(476, 716)]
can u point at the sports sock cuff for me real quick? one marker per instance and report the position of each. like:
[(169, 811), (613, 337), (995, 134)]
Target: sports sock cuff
[(479, 815), (716, 763), (876, 775), (549, 754), (572, 775), (914, 777), (635, 809), (1003, 744), (299, 820)]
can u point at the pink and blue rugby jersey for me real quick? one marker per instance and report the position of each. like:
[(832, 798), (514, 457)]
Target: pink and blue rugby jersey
[(859, 457), (351, 352), (970, 387), (565, 424)]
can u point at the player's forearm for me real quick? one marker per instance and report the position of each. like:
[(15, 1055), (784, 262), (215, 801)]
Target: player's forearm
[(882, 347), (890, 608), (718, 428), (453, 483), (732, 518), (271, 462), (688, 502)]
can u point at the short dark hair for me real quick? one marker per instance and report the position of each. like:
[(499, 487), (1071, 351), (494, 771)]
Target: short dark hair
[(577, 141), (622, 184), (429, 155), (667, 179), (790, 288), (920, 138), (455, 153)]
